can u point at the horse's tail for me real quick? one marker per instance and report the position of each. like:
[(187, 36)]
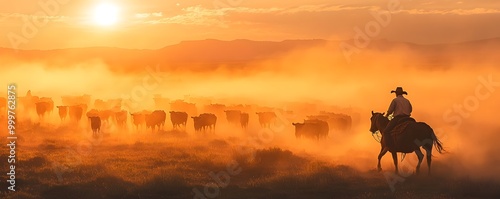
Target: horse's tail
[(437, 143)]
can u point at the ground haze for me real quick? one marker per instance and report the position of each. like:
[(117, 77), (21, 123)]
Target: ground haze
[(453, 87)]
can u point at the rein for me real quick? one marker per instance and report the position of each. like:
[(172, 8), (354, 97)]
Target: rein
[(377, 136)]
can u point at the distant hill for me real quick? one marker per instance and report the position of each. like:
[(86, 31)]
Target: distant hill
[(210, 54), (204, 54)]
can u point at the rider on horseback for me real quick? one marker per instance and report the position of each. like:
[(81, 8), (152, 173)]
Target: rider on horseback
[(400, 108)]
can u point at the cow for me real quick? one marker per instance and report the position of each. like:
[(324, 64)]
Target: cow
[(42, 108), (244, 120), (92, 113), (63, 112), (266, 118), (341, 122), (95, 124), (155, 119), (139, 118), (76, 112), (50, 104), (312, 129), (197, 123), (204, 121), (178, 119), (323, 127), (337, 121), (121, 118), (233, 116), (106, 115)]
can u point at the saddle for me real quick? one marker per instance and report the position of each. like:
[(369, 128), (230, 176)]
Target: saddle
[(401, 126)]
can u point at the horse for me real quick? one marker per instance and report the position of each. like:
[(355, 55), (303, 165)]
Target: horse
[(414, 136)]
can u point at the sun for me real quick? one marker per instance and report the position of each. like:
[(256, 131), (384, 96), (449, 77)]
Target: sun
[(105, 14)]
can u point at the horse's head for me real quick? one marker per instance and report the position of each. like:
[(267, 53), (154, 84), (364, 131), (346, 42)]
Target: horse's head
[(374, 120)]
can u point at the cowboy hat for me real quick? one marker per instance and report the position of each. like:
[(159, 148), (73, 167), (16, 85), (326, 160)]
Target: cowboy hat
[(399, 91)]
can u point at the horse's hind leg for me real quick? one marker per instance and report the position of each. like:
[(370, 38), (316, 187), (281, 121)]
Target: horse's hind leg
[(380, 155), (395, 158), (428, 153), (420, 156)]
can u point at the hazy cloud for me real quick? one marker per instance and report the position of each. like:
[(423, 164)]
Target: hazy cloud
[(198, 15), (6, 16), (474, 11), (147, 15)]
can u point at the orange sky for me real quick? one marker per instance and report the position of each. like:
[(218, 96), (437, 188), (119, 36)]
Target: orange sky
[(152, 24)]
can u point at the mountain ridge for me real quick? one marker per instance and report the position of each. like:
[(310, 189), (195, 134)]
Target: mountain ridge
[(210, 54)]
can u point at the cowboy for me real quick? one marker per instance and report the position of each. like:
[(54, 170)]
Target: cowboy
[(400, 108)]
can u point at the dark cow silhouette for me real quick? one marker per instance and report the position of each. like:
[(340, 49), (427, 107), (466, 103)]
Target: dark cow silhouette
[(121, 118), (266, 118), (178, 119), (236, 117), (50, 102), (233, 116), (139, 118), (244, 120), (95, 124), (63, 112), (204, 121), (106, 115), (42, 109), (312, 129), (338, 122), (75, 113), (92, 113), (155, 119)]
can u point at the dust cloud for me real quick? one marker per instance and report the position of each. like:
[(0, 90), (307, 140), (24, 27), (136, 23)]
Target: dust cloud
[(444, 94)]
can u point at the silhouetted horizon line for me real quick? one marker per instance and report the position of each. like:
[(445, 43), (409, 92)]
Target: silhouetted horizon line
[(250, 40)]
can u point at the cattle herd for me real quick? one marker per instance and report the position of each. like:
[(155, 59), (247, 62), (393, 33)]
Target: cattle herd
[(111, 112)]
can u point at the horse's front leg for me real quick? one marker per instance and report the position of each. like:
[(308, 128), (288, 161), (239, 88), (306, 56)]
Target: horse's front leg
[(383, 150), (395, 158)]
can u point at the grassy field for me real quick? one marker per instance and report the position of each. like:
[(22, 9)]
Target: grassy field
[(62, 162)]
